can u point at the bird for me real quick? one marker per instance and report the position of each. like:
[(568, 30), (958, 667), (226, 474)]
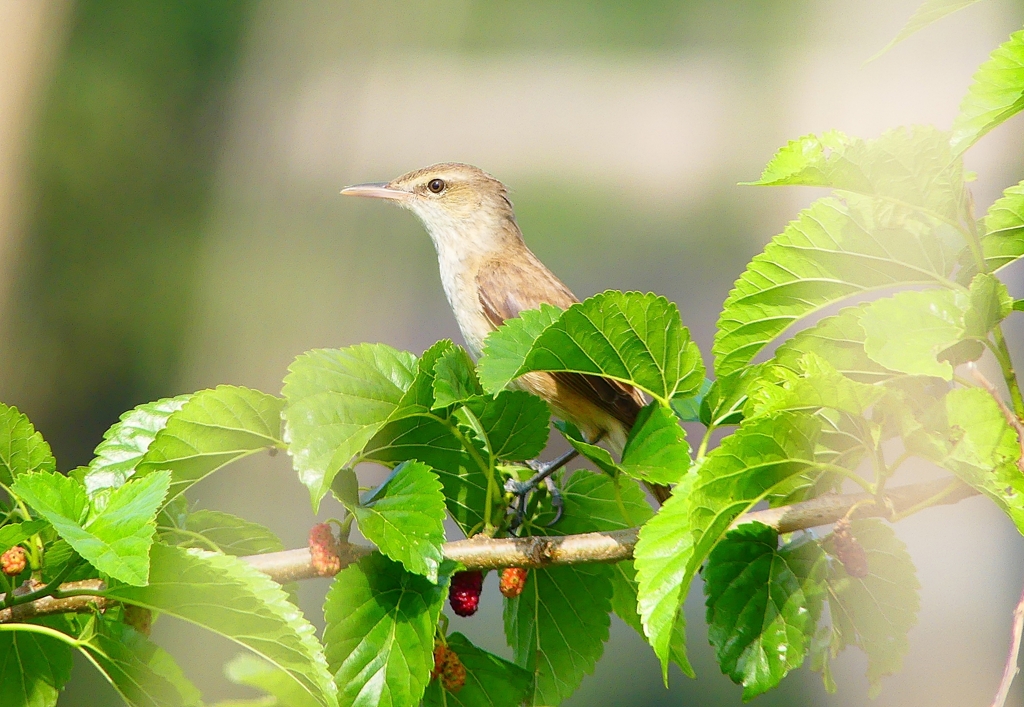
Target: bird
[(489, 275)]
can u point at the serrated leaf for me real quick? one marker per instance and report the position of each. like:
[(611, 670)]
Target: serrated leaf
[(33, 667), (905, 166), (661, 557), (840, 341), (213, 428), (22, 449), (835, 249), (975, 442), (379, 637), (1003, 239), (126, 442), (117, 540), (142, 673), (598, 456), (558, 627), (337, 399), (875, 612), (434, 441), (516, 423), (996, 93), (908, 331), (228, 596), (688, 407), (455, 378), (405, 518), (506, 348), (656, 449), (815, 384), (596, 503), (928, 12), (762, 605), (631, 337), (419, 397), (490, 681), (247, 669), (17, 533), (723, 405), (988, 304), (224, 532)]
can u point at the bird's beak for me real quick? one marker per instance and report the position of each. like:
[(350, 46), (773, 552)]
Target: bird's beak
[(377, 190)]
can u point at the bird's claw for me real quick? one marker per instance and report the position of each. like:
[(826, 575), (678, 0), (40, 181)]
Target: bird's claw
[(521, 491), (557, 502)]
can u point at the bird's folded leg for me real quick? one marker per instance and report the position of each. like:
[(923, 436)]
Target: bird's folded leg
[(542, 472)]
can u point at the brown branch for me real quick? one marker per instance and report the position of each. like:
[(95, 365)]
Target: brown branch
[(1010, 670), (487, 553)]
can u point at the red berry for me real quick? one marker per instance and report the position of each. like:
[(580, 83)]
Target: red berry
[(850, 552), (453, 673), (12, 562), (138, 618), (464, 592), (323, 550), (513, 579)]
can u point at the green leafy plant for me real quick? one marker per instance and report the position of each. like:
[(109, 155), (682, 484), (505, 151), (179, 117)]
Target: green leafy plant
[(896, 257)]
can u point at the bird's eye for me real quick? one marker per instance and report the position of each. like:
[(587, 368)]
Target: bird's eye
[(436, 185)]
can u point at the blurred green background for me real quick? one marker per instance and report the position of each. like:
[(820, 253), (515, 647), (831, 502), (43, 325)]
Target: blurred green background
[(170, 220)]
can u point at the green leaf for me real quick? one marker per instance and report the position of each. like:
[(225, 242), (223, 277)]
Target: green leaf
[(455, 378), (506, 348), (996, 93), (247, 669), (907, 332), (724, 402), (33, 667), (490, 680), (337, 399), (662, 555), (229, 597), (989, 303), (763, 604), (516, 423), (835, 249), (438, 443), (558, 627), (380, 633), (213, 428), (874, 612), (840, 341), (688, 407), (928, 12), (815, 384), (17, 533), (598, 456), (405, 518), (126, 442), (656, 449), (22, 449), (597, 503), (981, 448), (419, 397), (1003, 239), (141, 672), (630, 337), (912, 167), (225, 532), (115, 541)]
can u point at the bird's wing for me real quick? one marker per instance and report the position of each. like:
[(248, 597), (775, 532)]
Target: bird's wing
[(506, 288)]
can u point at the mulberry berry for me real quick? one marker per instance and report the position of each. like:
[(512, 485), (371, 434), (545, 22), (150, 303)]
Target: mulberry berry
[(513, 579), (323, 549), (464, 593), (850, 552), (453, 673), (12, 562)]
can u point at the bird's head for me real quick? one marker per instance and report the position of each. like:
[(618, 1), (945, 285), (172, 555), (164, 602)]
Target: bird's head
[(459, 204)]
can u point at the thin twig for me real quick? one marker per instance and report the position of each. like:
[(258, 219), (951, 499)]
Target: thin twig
[(1010, 670), (488, 553)]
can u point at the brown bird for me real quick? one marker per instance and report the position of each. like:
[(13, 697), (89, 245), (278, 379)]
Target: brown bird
[(489, 275)]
